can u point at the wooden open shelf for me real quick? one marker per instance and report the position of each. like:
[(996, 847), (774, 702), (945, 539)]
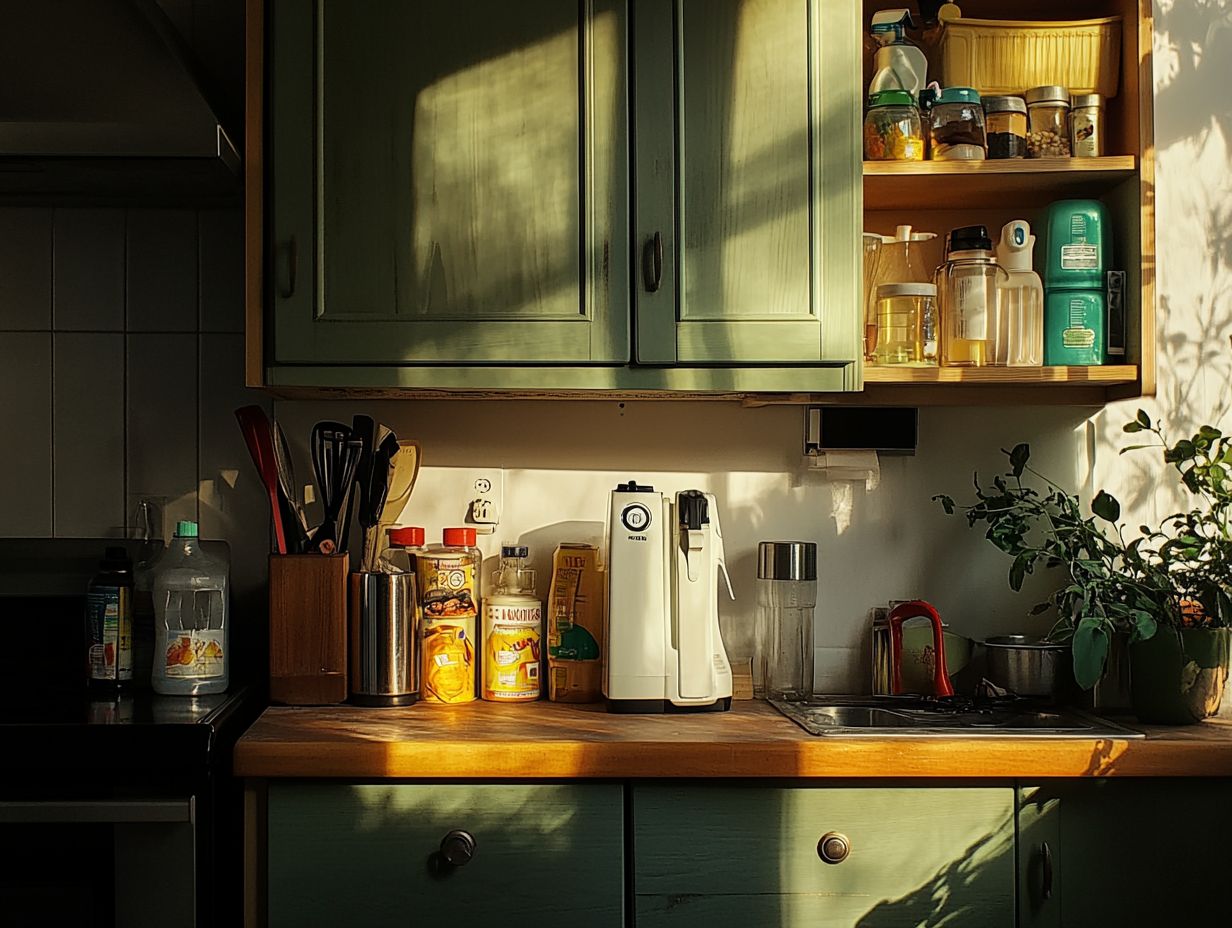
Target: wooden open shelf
[(1107, 375), (1018, 183)]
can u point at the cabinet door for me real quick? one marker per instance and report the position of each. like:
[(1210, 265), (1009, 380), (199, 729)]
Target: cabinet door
[(749, 181), (449, 182), (707, 856), (369, 856)]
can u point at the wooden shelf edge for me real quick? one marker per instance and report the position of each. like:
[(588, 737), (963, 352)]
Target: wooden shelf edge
[(1126, 164), (1105, 376)]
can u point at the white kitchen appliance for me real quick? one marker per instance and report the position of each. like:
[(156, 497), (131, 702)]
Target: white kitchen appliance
[(664, 651)]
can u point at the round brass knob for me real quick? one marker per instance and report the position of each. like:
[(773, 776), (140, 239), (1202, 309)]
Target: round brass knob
[(833, 847)]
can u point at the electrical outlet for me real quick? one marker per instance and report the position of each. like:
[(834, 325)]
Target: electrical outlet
[(483, 510)]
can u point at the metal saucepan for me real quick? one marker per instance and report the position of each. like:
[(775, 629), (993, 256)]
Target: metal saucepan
[(1031, 667)]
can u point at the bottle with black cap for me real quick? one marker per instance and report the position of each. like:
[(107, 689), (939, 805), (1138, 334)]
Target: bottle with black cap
[(786, 596), (967, 297)]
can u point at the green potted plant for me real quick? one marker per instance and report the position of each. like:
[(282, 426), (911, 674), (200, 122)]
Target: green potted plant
[(1166, 588)]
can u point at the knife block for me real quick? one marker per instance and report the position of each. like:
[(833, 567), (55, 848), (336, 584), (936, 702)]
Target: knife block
[(308, 629)]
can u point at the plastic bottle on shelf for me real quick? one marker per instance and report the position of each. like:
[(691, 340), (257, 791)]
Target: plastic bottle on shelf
[(513, 632), (192, 628), (898, 64), (1019, 337)]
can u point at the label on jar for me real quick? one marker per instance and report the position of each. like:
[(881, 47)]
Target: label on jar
[(195, 653), (1085, 129), (447, 585), (448, 666), (512, 653), (1079, 257), (109, 625)]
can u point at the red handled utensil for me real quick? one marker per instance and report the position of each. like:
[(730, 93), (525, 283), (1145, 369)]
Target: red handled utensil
[(898, 615), (260, 440)]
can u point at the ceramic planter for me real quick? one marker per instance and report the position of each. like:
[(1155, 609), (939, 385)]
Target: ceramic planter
[(1177, 676)]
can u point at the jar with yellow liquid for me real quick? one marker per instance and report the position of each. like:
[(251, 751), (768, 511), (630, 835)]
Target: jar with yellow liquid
[(967, 294), (513, 632), (905, 313)]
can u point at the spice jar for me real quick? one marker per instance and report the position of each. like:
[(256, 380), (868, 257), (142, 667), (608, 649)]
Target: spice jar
[(957, 126), (892, 128), (1048, 112), (1087, 126), (1006, 127)]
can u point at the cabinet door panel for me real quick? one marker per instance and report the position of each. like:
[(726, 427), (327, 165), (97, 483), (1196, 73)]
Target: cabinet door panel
[(707, 856), (467, 177), (760, 154), (364, 855)]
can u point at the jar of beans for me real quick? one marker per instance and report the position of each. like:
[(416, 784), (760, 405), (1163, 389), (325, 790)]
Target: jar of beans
[(1048, 114)]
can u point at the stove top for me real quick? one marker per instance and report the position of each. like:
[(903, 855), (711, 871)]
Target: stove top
[(945, 717)]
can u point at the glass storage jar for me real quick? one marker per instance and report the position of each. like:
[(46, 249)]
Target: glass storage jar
[(1006, 119), (956, 126), (905, 313), (786, 596), (967, 298), (1087, 126), (892, 128), (1048, 114)]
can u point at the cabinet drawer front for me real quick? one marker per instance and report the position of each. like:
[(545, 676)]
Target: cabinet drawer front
[(365, 855), (749, 855)]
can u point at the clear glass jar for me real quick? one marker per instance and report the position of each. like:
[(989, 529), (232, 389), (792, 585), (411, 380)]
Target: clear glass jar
[(956, 126), (904, 313), (786, 597), (1048, 114), (1006, 127), (1086, 126), (893, 130), (192, 631), (967, 298)]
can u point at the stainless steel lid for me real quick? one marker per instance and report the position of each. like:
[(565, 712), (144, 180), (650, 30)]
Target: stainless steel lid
[(1049, 93), (786, 560), (1082, 100), (1005, 105)]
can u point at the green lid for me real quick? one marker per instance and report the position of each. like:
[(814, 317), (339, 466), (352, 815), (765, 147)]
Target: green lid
[(891, 98), (960, 95), (185, 529)]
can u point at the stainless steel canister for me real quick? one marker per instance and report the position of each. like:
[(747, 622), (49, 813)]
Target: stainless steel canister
[(384, 648)]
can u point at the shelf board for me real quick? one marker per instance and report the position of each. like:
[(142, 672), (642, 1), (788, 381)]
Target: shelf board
[(1106, 375), (1017, 183)]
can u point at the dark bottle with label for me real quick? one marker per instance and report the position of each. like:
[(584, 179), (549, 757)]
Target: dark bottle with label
[(109, 622)]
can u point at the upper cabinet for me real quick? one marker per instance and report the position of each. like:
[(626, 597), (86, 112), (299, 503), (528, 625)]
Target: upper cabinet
[(661, 194), (449, 182)]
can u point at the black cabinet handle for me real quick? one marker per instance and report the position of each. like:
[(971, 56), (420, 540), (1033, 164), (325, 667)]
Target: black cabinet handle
[(457, 848), (288, 268), (1046, 864), (652, 262)]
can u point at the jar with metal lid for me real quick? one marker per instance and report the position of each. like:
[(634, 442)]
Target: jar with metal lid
[(956, 126), (905, 312), (786, 597), (1087, 125), (967, 298), (892, 128), (1006, 119), (1048, 114)]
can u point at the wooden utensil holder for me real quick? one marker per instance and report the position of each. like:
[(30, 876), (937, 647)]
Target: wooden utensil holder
[(308, 629)]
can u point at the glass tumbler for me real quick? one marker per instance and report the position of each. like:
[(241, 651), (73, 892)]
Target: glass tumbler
[(786, 597)]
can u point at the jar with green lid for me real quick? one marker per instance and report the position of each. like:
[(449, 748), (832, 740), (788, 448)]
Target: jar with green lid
[(1006, 119), (957, 126), (1048, 115), (892, 128)]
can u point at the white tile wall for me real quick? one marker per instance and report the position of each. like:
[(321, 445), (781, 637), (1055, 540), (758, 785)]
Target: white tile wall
[(25, 269), (25, 424), (88, 276), (162, 270)]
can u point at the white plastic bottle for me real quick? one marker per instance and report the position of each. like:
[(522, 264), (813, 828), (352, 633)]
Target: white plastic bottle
[(1019, 338), (898, 63), (191, 622)]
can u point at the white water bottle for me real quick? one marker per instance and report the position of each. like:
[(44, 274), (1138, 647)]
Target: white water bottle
[(191, 623)]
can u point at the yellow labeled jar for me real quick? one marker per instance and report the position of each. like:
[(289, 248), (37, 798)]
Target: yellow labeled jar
[(449, 603)]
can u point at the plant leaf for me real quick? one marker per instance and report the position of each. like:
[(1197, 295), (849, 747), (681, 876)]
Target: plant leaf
[(1131, 427), (947, 503), (1090, 652), (1143, 419), (1144, 626), (1018, 571), (1040, 608), (1106, 506), (1019, 457)]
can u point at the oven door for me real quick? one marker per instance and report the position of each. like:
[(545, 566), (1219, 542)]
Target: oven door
[(98, 863)]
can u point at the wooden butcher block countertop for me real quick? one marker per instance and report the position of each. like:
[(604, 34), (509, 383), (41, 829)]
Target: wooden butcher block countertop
[(554, 741)]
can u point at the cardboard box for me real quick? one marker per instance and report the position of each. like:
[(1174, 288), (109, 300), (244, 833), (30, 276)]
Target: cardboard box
[(576, 607)]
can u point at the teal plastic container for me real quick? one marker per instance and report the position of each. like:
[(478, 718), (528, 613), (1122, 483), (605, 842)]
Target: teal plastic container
[(1074, 328), (1078, 239)]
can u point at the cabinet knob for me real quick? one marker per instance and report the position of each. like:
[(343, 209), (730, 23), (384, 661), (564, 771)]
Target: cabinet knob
[(457, 848), (833, 847)]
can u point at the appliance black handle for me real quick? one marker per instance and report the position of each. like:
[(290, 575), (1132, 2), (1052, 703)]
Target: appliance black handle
[(1046, 859), (457, 848), (652, 262), (288, 268)]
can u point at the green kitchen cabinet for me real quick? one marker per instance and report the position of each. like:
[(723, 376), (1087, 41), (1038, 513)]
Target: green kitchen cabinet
[(448, 183), (1124, 852), (616, 194), (372, 856), (756, 855)]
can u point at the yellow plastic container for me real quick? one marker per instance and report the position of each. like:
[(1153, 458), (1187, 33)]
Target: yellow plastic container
[(1010, 56)]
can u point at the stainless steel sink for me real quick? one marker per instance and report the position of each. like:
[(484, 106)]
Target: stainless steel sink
[(921, 717)]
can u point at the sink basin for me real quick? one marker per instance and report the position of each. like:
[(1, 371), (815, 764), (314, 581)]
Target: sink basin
[(921, 717)]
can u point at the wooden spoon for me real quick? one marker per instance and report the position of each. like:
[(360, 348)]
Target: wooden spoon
[(403, 470)]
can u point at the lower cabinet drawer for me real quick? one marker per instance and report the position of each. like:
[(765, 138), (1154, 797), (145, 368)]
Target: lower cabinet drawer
[(370, 856), (715, 856)]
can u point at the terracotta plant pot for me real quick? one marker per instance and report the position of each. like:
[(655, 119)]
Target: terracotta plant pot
[(1177, 676)]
